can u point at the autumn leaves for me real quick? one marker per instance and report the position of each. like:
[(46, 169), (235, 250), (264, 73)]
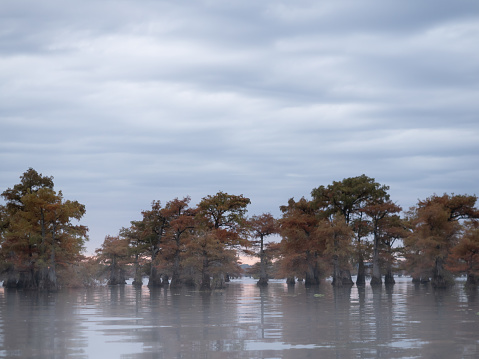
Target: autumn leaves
[(344, 228), (38, 233)]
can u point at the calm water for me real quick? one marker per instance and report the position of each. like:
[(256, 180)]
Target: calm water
[(242, 321)]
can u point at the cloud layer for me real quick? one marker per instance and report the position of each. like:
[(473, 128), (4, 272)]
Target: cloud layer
[(132, 101)]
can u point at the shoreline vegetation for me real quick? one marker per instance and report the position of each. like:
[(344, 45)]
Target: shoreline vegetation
[(349, 227)]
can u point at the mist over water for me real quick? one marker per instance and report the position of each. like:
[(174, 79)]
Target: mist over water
[(242, 321)]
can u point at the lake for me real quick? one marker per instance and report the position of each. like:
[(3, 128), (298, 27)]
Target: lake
[(242, 321)]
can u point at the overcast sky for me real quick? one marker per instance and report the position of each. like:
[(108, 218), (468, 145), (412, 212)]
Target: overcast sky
[(126, 102)]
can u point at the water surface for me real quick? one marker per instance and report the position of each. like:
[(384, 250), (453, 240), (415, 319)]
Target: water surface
[(242, 321)]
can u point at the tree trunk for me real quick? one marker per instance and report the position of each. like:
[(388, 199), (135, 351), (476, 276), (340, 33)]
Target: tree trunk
[(51, 283), (361, 275), (122, 276), (263, 278), (11, 278), (440, 277), (138, 280), (361, 279), (472, 280), (117, 275), (26, 280), (154, 281), (311, 278), (388, 277), (312, 274), (190, 278), (205, 282), (262, 282), (10, 282), (376, 279), (175, 277), (205, 277), (421, 279), (341, 277), (46, 276), (176, 281), (113, 280), (346, 277), (290, 281), (337, 278), (219, 281)]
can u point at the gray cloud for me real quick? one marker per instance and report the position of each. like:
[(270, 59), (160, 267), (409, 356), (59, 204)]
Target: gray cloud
[(128, 102)]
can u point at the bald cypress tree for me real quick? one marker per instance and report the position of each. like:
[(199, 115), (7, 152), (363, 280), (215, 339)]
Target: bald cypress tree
[(38, 232), (349, 198)]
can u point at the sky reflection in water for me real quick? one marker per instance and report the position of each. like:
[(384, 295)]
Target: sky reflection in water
[(242, 321)]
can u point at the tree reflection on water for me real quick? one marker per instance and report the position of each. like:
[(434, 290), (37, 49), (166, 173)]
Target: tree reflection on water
[(242, 321)]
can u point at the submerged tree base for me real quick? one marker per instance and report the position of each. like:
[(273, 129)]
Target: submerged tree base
[(137, 283), (441, 278), (290, 281), (112, 282), (389, 279), (343, 279), (263, 282), (472, 281), (361, 280)]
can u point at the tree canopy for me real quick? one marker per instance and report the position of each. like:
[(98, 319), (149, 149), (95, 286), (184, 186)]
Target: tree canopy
[(39, 234), (341, 230)]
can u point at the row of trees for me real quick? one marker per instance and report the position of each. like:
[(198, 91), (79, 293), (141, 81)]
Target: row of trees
[(187, 246), (354, 221), (342, 229)]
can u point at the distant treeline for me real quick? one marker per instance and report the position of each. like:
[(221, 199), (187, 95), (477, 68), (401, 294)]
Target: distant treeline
[(345, 227)]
